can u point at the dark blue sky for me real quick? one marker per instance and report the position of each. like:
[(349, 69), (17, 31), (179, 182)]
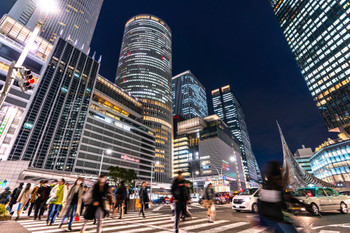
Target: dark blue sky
[(227, 42)]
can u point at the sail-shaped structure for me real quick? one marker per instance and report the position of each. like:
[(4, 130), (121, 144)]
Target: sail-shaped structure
[(294, 175)]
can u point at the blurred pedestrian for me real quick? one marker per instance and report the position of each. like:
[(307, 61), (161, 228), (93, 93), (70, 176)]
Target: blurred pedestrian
[(98, 207), (208, 202), (83, 204), (144, 199), (5, 196), (33, 197), (43, 194), (15, 194), (73, 203), (58, 197), (127, 199), (178, 192), (23, 199), (271, 202), (187, 213), (120, 196)]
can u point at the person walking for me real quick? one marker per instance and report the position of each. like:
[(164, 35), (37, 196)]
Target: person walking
[(58, 197), (127, 199), (144, 199), (178, 192), (5, 196), (73, 203), (43, 194), (272, 200), (98, 207), (15, 194), (23, 199), (208, 202), (33, 197), (120, 196), (187, 213)]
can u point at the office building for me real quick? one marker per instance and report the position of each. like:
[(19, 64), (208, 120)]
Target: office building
[(302, 156), (145, 71), (318, 33), (204, 149), (13, 36), (114, 122), (189, 96), (75, 21), (228, 108), (52, 128), (331, 163)]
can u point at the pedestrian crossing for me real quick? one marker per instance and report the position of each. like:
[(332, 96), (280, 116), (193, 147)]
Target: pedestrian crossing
[(153, 223), (167, 206)]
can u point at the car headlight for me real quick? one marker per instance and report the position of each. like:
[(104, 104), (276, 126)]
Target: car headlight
[(247, 199)]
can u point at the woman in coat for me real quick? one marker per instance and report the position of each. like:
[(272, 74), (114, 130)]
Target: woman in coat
[(73, 203), (99, 206), (144, 199), (23, 199)]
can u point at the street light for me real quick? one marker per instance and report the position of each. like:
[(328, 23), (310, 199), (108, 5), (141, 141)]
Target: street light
[(108, 152), (157, 163), (46, 6)]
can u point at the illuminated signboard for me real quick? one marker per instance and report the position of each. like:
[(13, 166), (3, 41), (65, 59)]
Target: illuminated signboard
[(127, 157)]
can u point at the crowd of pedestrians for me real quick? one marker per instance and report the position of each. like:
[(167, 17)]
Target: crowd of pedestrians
[(68, 203)]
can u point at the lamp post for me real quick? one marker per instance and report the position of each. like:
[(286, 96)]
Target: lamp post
[(108, 152), (152, 168), (45, 6)]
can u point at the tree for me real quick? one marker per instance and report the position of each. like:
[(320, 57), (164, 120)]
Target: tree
[(118, 173)]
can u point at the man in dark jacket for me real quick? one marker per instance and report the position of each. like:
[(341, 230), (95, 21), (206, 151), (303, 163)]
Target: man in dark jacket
[(5, 196), (43, 194), (179, 195), (14, 196), (120, 196)]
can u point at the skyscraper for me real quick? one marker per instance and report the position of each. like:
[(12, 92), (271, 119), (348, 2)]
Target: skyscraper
[(318, 33), (228, 108), (189, 96), (52, 128), (145, 71), (73, 20)]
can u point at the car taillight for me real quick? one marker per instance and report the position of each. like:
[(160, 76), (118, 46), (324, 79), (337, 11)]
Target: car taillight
[(309, 194)]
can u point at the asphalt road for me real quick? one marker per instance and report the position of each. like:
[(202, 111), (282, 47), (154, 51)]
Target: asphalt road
[(158, 220)]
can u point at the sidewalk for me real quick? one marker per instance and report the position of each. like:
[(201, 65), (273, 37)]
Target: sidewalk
[(12, 227)]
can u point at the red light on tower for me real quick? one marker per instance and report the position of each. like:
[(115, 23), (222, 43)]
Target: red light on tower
[(127, 54), (130, 33), (162, 36), (31, 81), (163, 58), (123, 79)]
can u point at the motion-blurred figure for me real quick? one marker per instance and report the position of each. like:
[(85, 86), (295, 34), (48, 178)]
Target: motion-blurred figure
[(273, 201)]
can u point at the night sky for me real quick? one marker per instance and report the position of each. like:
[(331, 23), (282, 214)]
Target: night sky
[(227, 42)]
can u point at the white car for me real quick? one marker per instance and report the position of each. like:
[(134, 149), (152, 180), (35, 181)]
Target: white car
[(246, 200), (323, 199), (194, 199)]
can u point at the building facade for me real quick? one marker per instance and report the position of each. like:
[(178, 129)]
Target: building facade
[(73, 20), (228, 108), (114, 122), (51, 131), (332, 164), (318, 33), (205, 149), (13, 37), (145, 71), (303, 156), (189, 96)]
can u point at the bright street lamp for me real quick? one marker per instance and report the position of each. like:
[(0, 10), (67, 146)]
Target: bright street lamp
[(108, 152), (47, 6), (232, 159)]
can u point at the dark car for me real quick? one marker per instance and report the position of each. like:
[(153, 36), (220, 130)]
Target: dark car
[(219, 199)]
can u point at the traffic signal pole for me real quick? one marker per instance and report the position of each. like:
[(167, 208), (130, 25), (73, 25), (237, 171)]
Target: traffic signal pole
[(12, 72)]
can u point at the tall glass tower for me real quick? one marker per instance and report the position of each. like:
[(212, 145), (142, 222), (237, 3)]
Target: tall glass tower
[(228, 108), (189, 96), (73, 20), (318, 33), (145, 71)]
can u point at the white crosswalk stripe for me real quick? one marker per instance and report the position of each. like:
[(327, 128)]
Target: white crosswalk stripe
[(325, 231), (153, 223)]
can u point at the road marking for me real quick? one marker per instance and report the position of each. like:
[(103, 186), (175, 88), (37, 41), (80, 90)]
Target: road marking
[(253, 230), (324, 231), (225, 228), (158, 208), (204, 225)]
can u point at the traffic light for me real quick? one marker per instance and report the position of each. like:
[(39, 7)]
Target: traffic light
[(27, 79), (4, 183)]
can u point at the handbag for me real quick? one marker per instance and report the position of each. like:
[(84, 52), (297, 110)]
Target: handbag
[(77, 218), (54, 199)]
